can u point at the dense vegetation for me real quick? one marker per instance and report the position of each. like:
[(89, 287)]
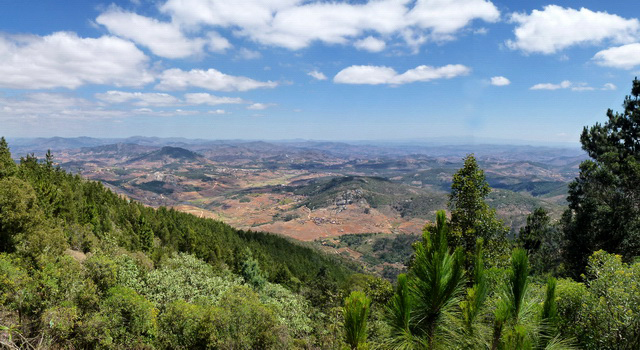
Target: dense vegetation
[(81, 267)]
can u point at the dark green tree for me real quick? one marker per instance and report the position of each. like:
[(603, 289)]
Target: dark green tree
[(7, 165), (421, 312), (471, 216), (542, 240), (604, 200)]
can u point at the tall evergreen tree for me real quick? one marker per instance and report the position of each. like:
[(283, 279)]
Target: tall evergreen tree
[(7, 165), (543, 242), (471, 216), (604, 200)]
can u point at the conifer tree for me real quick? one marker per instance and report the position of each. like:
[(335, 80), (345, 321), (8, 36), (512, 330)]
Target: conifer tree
[(604, 200), (471, 216), (420, 314), (7, 165), (356, 312)]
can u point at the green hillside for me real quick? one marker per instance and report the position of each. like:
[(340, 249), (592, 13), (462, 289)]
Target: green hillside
[(81, 267)]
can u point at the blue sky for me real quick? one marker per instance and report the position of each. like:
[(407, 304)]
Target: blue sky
[(465, 70)]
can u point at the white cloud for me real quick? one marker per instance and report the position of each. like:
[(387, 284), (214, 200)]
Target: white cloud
[(317, 75), (211, 100), (260, 106), (218, 111), (500, 81), (548, 86), (63, 59), (295, 24), (217, 43), (247, 54), (374, 75), (556, 28), (581, 87), (448, 16), (46, 107), (211, 79), (609, 86), (625, 57), (565, 84), (138, 98), (163, 39), (370, 44)]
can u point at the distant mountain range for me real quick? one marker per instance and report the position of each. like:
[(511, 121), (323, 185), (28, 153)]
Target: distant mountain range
[(307, 149)]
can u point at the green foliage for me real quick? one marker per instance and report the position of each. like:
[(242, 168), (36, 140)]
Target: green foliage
[(60, 322), (356, 313), (604, 312), (474, 330), (102, 270), (603, 200), (543, 242), (242, 322), (126, 320), (430, 295), (250, 271), (19, 212), (166, 284), (468, 190), (471, 217), (7, 165), (182, 326), (550, 307), (520, 321)]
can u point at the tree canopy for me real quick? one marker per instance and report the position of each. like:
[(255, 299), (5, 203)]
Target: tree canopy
[(604, 200)]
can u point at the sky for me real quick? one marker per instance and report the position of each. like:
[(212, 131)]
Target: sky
[(463, 70)]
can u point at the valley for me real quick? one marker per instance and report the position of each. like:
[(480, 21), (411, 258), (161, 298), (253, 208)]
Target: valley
[(314, 190)]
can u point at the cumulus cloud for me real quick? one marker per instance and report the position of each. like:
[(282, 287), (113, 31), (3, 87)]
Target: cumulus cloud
[(63, 59), (375, 75), (555, 28), (370, 44), (138, 98), (217, 43), (259, 106), (625, 57), (566, 84), (446, 17), (500, 81), (609, 86), (295, 24), (317, 75), (211, 79), (211, 100), (163, 39)]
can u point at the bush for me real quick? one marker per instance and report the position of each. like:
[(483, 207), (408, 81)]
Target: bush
[(603, 313), (242, 322), (182, 326), (169, 283), (102, 271), (126, 321)]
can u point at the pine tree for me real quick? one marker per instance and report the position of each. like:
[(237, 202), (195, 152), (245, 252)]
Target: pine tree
[(420, 314), (471, 216), (356, 313), (604, 200), (7, 165)]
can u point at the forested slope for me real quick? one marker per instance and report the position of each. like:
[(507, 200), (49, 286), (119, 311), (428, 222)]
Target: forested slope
[(83, 267)]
